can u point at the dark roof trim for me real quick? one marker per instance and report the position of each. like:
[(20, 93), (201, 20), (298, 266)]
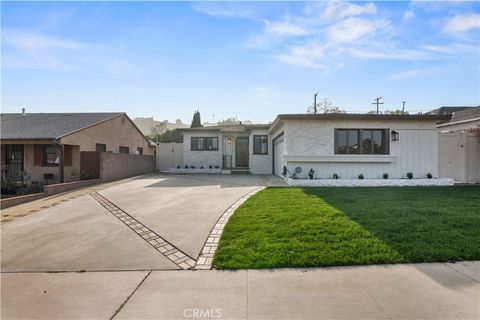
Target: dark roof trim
[(362, 116)]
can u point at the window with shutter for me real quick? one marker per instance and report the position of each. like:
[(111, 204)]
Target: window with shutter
[(67, 156), (38, 154)]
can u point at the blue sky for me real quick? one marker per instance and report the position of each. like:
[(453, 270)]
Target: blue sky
[(252, 60)]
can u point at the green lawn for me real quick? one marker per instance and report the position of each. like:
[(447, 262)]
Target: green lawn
[(307, 227)]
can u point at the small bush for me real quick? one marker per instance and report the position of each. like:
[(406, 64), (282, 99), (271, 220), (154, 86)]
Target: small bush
[(178, 167), (217, 167), (311, 173), (201, 167), (409, 175), (192, 167), (186, 167), (210, 167), (429, 175), (335, 176), (385, 175), (360, 176)]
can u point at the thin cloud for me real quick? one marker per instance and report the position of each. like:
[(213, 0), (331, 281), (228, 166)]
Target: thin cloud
[(225, 9), (462, 23), (353, 29), (406, 74), (408, 15), (32, 41), (337, 9)]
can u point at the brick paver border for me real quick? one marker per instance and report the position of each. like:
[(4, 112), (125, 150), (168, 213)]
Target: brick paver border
[(205, 259), (164, 247)]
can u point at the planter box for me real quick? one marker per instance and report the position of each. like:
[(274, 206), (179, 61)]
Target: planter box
[(48, 190), (369, 182)]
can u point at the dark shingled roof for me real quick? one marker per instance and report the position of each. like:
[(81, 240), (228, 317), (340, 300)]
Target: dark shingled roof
[(448, 110), (48, 125), (466, 114)]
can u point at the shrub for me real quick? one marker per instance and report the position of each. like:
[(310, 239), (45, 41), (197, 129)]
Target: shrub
[(409, 175), (178, 167), (360, 176), (210, 167), (217, 167), (385, 175), (335, 176), (429, 175), (186, 167), (201, 167), (284, 171), (311, 173), (192, 167)]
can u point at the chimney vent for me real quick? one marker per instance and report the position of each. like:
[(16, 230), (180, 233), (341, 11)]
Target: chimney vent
[(23, 111)]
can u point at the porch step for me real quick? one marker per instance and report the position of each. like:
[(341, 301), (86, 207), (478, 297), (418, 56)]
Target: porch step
[(240, 171)]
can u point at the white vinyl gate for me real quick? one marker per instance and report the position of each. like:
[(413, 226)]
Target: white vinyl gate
[(169, 155), (278, 156)]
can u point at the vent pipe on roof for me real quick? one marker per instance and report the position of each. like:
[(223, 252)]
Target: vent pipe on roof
[(23, 111)]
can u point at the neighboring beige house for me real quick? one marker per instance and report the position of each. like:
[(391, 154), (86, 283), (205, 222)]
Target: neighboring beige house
[(345, 144), (32, 143), (459, 145)]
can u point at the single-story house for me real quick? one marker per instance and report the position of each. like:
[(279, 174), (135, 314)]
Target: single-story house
[(459, 145), (237, 148), (48, 146), (344, 144)]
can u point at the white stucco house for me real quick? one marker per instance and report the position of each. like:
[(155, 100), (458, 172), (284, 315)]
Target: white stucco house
[(344, 144)]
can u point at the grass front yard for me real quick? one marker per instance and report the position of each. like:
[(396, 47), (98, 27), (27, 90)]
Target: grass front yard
[(308, 227)]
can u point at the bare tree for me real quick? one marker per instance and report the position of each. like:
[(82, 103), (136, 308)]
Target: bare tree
[(397, 111), (325, 106)]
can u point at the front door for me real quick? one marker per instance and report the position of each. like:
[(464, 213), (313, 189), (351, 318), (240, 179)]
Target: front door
[(241, 152), (14, 160)]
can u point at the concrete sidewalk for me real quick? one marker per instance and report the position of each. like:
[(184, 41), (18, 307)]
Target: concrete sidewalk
[(410, 291)]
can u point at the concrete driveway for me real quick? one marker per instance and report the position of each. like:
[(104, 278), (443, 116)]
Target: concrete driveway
[(96, 230), (82, 235)]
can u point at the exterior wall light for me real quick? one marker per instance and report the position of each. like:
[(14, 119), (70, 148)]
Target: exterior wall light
[(395, 135), (229, 141)]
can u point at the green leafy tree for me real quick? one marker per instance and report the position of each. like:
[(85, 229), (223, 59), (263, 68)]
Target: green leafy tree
[(196, 121), (174, 135)]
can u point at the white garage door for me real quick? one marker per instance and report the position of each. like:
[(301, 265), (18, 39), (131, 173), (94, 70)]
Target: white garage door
[(278, 156)]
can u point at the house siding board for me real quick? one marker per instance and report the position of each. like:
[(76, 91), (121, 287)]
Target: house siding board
[(415, 151), (260, 164), (201, 158), (464, 125)]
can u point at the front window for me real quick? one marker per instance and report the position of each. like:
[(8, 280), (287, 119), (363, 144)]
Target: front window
[(124, 149), (101, 147), (347, 141), (260, 144), (204, 144), (361, 141), (51, 156)]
